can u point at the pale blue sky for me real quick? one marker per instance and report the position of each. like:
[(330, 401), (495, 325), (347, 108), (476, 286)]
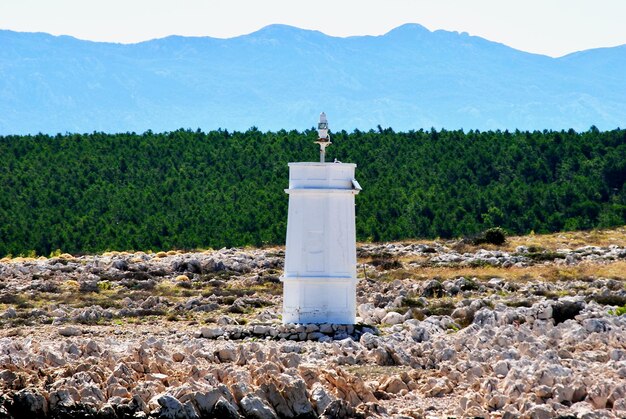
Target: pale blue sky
[(551, 27)]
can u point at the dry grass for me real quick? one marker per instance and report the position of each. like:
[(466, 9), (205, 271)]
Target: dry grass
[(73, 299), (584, 271), (549, 272), (551, 242), (571, 240), (168, 289), (369, 372), (239, 290), (554, 241)]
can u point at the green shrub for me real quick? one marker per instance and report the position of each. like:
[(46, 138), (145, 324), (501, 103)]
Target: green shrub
[(619, 311), (104, 285), (56, 253), (495, 236)]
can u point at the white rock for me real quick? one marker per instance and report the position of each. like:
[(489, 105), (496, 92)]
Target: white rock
[(497, 401), (620, 406), (253, 407), (206, 401), (211, 332), (227, 353), (224, 409), (599, 394), (501, 368), (378, 314), (393, 318), (544, 312), (116, 390), (70, 331), (366, 311), (595, 325), (226, 320), (540, 411), (394, 385), (420, 334), (171, 408), (320, 397), (326, 328), (587, 411), (10, 313), (543, 391), (31, 402), (369, 340), (260, 329), (54, 359)]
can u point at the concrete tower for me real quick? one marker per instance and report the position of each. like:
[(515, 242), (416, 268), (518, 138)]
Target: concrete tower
[(320, 259)]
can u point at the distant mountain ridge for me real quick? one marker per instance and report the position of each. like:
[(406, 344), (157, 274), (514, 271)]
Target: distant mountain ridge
[(281, 77)]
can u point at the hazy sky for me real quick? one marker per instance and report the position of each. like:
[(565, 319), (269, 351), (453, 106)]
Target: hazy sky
[(552, 27)]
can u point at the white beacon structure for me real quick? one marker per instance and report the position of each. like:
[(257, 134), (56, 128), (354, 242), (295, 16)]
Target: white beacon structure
[(319, 282)]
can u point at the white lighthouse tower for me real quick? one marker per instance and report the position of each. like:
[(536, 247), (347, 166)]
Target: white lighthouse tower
[(320, 257)]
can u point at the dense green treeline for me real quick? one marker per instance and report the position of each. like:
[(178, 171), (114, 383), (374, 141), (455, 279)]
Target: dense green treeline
[(189, 189)]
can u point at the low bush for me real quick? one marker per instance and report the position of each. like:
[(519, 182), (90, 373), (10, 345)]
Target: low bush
[(495, 236)]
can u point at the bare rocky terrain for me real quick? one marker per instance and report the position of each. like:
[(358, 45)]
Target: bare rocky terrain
[(534, 328)]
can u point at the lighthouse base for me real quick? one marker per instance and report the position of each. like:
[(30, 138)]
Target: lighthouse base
[(319, 300)]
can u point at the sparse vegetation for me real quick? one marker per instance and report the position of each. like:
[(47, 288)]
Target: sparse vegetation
[(440, 307), (135, 307), (104, 285), (244, 295), (611, 300), (385, 261), (614, 270), (543, 256), (619, 311)]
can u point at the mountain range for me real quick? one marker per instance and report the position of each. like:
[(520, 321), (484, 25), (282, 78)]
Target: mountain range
[(281, 77)]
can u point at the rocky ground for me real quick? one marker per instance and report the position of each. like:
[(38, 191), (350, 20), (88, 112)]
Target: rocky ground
[(534, 328)]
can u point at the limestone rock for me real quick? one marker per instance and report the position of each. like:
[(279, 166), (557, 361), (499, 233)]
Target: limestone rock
[(253, 407), (70, 331), (27, 403), (205, 401), (369, 340), (289, 396), (540, 411), (420, 334), (211, 332), (226, 410), (340, 409), (171, 408), (227, 353), (9, 313), (394, 385), (320, 398), (433, 288), (393, 318)]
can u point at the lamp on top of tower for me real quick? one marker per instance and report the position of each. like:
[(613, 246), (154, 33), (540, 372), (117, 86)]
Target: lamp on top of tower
[(323, 136)]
